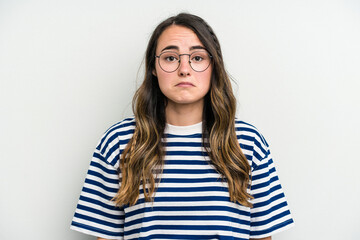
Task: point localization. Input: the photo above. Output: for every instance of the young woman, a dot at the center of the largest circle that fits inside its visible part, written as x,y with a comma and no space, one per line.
183,167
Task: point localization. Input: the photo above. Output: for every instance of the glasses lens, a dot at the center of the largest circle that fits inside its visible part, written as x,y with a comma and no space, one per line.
200,60
169,61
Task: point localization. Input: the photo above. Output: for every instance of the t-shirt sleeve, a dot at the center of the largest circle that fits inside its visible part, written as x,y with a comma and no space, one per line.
95,213
270,213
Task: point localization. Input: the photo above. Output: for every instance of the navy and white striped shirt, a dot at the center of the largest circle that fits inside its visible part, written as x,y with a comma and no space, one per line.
191,201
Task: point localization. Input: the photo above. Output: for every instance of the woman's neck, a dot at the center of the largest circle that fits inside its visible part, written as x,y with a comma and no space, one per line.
184,114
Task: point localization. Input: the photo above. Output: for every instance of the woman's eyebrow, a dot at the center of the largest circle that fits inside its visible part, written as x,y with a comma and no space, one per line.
197,47
170,47
177,48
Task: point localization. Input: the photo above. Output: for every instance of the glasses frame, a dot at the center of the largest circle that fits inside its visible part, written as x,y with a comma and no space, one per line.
179,61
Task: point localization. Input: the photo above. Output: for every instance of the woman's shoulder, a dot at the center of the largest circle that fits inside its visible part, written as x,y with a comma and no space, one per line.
116,135
248,130
120,128
251,140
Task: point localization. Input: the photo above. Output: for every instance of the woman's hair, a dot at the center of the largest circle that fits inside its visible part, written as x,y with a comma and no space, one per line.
143,155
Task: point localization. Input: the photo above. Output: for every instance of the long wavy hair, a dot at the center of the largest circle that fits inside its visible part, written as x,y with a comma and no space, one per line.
141,163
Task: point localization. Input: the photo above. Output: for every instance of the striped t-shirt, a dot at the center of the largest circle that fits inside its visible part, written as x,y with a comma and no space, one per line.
191,201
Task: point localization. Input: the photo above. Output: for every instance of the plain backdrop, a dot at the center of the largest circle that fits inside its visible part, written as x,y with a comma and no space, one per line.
69,69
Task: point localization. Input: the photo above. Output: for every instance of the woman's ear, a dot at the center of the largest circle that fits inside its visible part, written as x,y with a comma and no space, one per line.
154,72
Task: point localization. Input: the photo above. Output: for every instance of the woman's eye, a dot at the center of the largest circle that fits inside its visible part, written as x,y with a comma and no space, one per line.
197,59
170,59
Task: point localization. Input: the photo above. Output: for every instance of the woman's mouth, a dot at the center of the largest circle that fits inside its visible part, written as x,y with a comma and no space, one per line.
185,84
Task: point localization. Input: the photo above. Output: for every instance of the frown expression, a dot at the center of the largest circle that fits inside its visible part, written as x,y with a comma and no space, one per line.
183,86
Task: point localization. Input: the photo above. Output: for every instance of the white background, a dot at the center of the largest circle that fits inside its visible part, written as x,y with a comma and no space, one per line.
69,69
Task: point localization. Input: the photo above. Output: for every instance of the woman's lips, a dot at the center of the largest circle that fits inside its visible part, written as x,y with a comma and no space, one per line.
185,84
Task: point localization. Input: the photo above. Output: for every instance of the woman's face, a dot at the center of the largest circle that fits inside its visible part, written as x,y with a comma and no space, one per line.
183,86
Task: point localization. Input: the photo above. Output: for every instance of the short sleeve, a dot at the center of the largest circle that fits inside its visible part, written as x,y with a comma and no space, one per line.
95,213
270,213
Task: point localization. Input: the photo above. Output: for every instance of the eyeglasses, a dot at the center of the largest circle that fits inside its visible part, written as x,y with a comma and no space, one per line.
170,61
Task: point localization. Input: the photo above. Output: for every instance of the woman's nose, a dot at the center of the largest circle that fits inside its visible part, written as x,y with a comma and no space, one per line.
184,68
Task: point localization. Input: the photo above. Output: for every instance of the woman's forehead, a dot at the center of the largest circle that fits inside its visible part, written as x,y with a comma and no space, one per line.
179,37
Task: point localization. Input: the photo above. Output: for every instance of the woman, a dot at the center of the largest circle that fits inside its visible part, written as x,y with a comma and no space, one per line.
183,167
